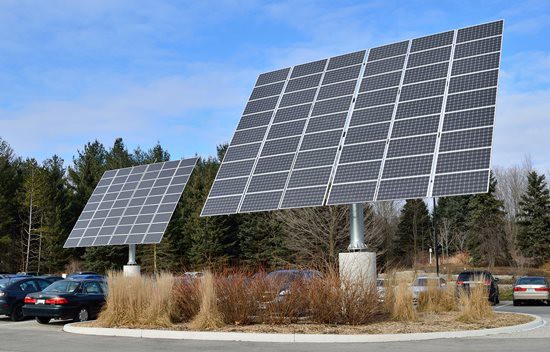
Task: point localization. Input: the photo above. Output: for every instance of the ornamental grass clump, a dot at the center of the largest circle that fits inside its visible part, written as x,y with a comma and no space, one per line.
437,299
474,304
208,316
138,301
402,309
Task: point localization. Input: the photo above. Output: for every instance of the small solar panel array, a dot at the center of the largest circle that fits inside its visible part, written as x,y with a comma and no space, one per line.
132,205
406,120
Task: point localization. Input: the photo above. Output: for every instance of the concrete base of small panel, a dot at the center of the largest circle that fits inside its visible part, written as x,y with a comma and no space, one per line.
132,270
358,266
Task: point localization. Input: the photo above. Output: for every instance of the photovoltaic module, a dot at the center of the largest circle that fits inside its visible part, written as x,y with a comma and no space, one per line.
412,119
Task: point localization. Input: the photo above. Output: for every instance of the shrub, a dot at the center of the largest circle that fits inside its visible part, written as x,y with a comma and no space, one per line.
284,308
187,300
239,296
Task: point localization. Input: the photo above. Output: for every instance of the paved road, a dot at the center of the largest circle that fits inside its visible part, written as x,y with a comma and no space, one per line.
32,337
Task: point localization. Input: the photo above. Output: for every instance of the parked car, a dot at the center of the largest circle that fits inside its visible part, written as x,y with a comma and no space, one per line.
13,291
421,284
471,278
50,278
531,288
76,299
280,282
85,275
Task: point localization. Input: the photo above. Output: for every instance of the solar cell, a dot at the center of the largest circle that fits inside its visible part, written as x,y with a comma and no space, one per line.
309,68
113,214
397,121
287,129
310,177
304,197
429,57
352,193
346,60
432,41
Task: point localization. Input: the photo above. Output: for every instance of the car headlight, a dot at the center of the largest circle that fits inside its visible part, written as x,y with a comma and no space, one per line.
2,293
284,292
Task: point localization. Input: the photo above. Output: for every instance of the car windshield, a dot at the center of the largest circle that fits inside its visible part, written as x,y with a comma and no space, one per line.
283,276
531,281
5,282
471,276
420,282
62,286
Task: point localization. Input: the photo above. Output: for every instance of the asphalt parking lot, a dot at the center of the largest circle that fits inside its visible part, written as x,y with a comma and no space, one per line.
31,336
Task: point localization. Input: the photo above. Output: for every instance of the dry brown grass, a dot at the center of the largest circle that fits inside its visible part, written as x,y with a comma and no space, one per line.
209,316
403,309
398,297
187,300
138,301
239,294
237,298
283,309
335,301
474,305
437,300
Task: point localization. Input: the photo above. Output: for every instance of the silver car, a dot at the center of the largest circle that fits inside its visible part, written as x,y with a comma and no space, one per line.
531,288
422,283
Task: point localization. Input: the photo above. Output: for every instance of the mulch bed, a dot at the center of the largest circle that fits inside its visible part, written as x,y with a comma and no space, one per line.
426,323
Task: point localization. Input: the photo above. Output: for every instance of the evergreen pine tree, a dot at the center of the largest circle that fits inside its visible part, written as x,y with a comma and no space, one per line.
413,232
10,179
534,220
261,240
453,213
56,223
487,241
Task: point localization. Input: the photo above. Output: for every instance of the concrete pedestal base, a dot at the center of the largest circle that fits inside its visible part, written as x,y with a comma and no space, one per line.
358,266
132,270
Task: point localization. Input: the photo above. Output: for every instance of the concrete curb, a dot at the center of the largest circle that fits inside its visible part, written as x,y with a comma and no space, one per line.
310,338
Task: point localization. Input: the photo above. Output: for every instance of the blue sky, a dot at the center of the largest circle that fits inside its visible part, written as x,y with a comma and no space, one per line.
180,72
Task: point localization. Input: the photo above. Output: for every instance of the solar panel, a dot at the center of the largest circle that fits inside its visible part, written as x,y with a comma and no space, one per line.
133,205
409,119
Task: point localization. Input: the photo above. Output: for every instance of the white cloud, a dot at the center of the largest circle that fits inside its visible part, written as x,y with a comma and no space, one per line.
194,110
522,128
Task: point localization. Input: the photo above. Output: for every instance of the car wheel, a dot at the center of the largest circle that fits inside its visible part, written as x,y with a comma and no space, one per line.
43,320
82,315
17,313
497,299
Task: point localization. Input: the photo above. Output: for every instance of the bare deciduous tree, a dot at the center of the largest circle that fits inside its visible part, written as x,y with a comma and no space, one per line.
511,185
316,235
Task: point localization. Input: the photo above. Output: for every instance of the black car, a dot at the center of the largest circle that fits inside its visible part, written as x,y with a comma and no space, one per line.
76,299
479,277
80,273
13,291
50,278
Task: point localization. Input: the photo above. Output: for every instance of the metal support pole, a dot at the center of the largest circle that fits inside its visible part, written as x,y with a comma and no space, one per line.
436,238
356,228
132,254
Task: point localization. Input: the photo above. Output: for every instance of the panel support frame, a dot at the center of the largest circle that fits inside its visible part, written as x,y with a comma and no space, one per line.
356,228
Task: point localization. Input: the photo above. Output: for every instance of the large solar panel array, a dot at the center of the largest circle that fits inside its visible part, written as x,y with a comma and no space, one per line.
406,120
132,205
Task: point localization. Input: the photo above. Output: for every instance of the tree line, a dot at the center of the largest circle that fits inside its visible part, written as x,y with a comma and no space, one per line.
41,201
